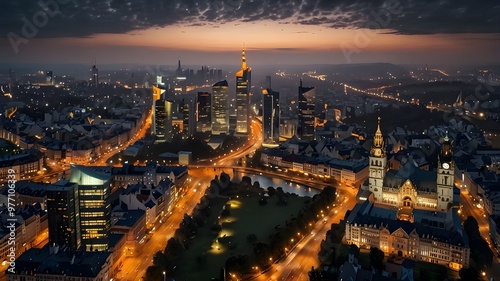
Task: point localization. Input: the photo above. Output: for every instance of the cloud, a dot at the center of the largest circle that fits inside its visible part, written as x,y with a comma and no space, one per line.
83,18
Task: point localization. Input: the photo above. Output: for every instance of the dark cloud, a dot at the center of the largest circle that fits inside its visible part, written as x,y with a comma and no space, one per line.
87,17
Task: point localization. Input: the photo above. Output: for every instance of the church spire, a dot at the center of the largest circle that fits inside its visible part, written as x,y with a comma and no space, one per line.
446,149
378,140
378,147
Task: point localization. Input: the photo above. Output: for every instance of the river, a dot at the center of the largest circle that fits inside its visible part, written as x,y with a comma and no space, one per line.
287,186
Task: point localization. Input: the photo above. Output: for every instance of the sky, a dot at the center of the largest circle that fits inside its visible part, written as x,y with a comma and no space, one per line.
449,32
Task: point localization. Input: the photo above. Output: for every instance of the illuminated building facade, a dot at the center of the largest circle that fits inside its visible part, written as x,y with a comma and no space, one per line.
307,98
368,226
243,87
220,117
162,116
410,212
95,76
63,206
95,209
188,117
204,112
271,116
410,187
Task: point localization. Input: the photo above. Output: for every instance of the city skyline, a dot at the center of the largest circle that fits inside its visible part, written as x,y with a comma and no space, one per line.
310,31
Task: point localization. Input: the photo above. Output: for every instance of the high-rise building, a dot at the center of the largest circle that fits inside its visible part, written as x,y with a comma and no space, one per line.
268,82
307,97
63,206
270,116
188,116
95,76
157,93
163,120
220,116
162,116
95,208
204,112
243,87
49,79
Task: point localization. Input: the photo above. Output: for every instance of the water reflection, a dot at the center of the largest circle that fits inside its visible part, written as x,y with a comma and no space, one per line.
287,186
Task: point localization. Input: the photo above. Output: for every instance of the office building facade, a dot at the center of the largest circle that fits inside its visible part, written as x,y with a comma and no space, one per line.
220,116
204,112
63,207
270,116
307,98
243,88
95,209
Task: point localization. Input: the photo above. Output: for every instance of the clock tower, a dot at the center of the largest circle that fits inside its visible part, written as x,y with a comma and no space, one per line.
378,165
445,175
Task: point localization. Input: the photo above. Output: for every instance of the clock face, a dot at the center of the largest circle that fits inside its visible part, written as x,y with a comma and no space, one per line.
446,166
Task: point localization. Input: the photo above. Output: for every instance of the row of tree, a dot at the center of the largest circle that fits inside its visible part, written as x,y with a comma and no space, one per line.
166,261
284,237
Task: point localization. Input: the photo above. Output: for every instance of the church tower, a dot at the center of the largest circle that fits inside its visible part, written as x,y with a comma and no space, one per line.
378,164
445,175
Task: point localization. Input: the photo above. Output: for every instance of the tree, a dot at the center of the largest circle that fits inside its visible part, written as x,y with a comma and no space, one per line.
153,273
160,260
315,275
262,252
238,265
256,185
480,250
252,238
173,249
271,191
262,201
377,259
469,274
246,180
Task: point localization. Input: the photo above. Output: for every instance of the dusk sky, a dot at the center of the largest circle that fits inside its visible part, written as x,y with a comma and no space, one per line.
274,32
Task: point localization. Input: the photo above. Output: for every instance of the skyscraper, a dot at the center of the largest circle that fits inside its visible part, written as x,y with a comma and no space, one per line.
307,96
163,120
162,116
220,117
63,208
270,116
188,116
204,114
95,209
243,87
95,76
49,78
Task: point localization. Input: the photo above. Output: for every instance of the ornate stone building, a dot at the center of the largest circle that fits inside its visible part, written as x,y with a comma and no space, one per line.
410,187
410,212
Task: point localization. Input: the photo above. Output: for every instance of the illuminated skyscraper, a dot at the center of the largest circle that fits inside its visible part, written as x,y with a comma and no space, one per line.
49,78
63,206
95,76
270,116
307,97
188,116
203,112
163,120
95,209
243,87
220,117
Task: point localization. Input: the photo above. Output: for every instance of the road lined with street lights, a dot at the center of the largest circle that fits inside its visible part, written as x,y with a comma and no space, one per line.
304,255
134,267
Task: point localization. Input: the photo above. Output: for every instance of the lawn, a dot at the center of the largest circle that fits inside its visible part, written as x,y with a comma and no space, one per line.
246,217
